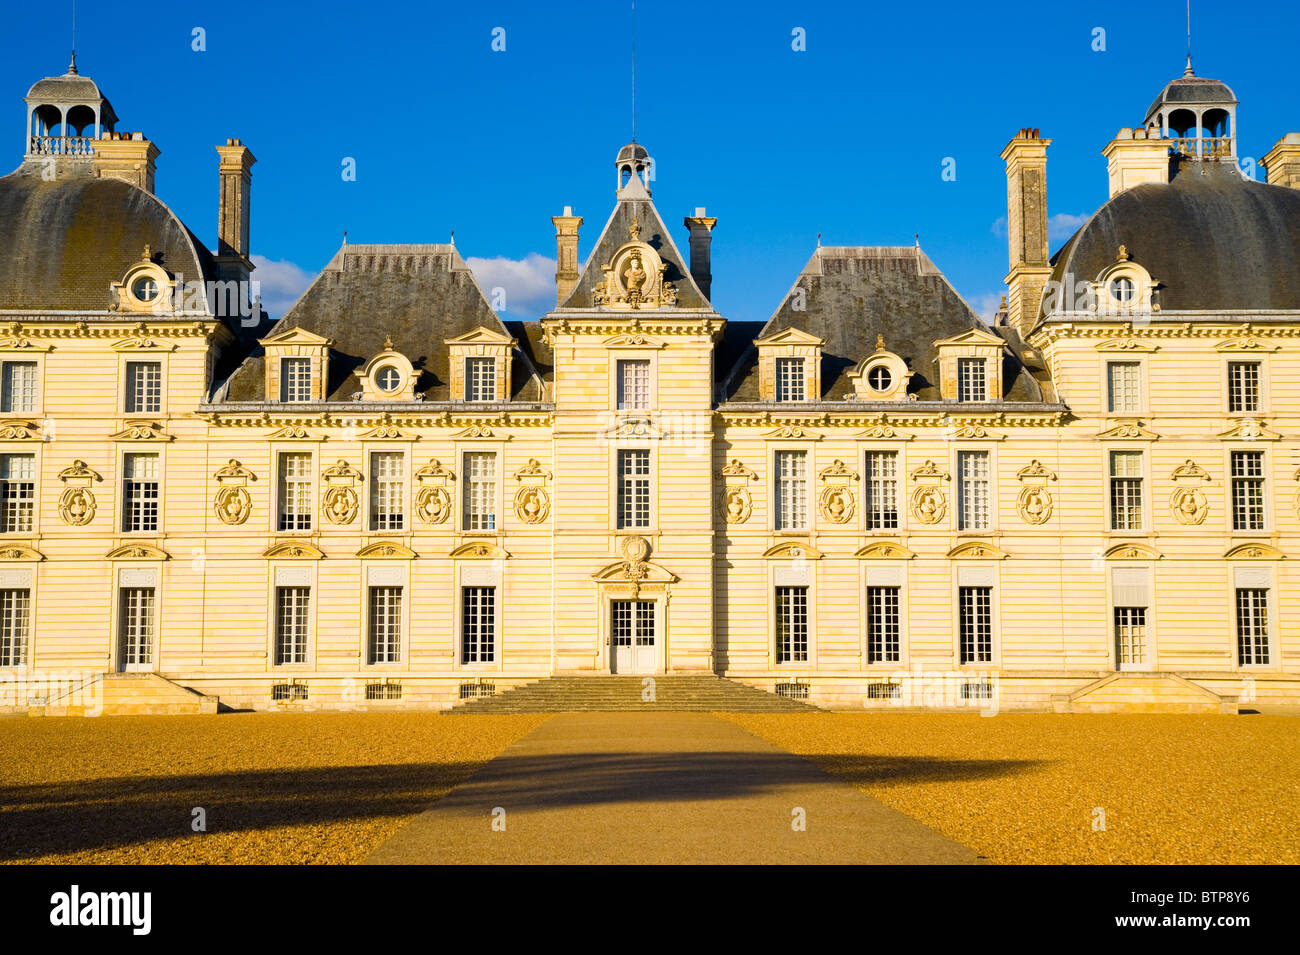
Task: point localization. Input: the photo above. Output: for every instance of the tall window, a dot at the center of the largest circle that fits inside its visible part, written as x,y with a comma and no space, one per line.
385,625
976,624
480,491
17,493
15,626
387,490
1247,490
140,492
791,624
291,624
295,491
18,386
143,387
1243,386
295,379
633,384
790,379
478,623
882,490
136,627
1124,387
791,490
972,381
480,379
973,491
882,625
1252,626
1130,635
1126,490
634,488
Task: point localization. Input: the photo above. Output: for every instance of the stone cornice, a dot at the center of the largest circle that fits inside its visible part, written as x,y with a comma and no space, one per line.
24,326
337,415
1082,325
605,325
914,415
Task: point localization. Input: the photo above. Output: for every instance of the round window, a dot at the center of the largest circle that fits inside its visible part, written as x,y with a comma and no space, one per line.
879,378
145,288
1122,289
388,378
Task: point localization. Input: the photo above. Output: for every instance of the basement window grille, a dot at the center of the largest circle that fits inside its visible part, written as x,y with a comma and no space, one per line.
794,690
289,691
977,690
383,691
884,691
475,691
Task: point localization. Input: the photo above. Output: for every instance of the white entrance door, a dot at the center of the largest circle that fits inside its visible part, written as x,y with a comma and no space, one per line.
136,629
632,630
1130,638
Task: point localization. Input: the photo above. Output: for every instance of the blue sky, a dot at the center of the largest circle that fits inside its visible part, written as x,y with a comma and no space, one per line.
846,138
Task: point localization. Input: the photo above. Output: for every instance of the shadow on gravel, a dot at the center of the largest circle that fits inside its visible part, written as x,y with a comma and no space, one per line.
113,812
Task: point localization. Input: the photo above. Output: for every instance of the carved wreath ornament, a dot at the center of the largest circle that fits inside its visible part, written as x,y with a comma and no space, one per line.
232,502
77,503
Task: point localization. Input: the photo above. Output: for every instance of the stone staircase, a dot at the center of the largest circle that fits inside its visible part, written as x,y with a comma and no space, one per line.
703,693
126,694
1144,693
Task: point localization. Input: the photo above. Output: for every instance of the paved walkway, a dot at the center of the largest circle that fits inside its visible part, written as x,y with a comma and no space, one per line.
659,788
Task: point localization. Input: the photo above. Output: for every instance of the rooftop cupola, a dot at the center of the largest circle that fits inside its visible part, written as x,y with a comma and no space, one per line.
635,170
66,114
1198,114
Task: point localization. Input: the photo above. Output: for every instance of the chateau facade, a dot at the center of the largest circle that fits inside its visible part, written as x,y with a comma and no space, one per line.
393,497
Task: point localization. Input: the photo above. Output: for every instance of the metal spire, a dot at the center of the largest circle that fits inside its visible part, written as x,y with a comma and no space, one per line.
633,70
72,67
1188,71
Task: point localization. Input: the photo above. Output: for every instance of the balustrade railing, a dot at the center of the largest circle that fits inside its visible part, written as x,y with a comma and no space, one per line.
1205,148
61,146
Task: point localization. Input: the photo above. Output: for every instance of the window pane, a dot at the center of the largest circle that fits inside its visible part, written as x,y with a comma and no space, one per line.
1252,626
478,624
480,379
790,379
791,624
634,385
882,490
140,492
385,624
387,491
634,488
1126,490
295,492
18,386
291,624
15,626
1125,395
17,493
1243,386
972,384
480,491
975,606
143,387
882,625
295,379
1130,634
1248,490
973,491
792,490
136,626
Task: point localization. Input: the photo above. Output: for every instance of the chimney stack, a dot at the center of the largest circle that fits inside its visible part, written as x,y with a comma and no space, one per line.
235,167
1026,159
566,253
701,227
1283,162
130,158
1134,157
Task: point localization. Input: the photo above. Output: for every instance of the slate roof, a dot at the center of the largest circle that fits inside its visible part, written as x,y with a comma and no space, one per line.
854,293
64,242
655,234
1211,239
420,295
1193,89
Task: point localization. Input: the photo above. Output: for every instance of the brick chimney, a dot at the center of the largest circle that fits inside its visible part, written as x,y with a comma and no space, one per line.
235,168
1134,157
1026,159
1283,162
566,253
126,156
701,227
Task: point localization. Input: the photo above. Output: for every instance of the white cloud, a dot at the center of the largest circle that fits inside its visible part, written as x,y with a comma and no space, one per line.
280,284
986,305
528,283
999,228
1060,226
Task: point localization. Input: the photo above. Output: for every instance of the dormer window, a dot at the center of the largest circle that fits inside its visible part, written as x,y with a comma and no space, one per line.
388,379
1122,289
1124,286
480,379
295,379
388,376
145,288
972,379
790,379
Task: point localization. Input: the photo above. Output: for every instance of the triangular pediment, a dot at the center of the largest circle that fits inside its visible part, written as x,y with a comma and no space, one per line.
972,336
296,336
791,336
653,232
482,336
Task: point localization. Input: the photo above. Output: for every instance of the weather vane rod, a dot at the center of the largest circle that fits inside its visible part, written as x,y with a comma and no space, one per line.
633,70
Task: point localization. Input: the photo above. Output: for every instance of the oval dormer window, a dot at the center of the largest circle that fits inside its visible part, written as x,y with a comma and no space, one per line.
145,289
879,378
388,379
1122,289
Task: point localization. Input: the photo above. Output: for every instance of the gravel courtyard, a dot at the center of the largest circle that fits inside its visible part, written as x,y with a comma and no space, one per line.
329,788
1023,788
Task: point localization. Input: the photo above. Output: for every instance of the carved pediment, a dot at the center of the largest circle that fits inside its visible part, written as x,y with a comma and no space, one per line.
1190,470
929,470
1035,469
142,431
1249,429
885,550
290,432
838,471
977,550
883,430
633,340
138,552
18,430
297,336
634,277
476,432
390,549
641,572
975,432
633,428
1128,430
1254,551
791,336
482,335
789,432
10,551
972,336
480,550
297,550
792,550
1132,550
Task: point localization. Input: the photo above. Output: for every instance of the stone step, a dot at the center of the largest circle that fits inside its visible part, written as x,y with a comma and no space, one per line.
684,693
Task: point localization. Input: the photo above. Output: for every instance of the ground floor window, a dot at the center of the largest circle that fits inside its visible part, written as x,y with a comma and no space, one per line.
791,624
291,624
15,626
975,606
882,625
478,623
136,626
385,625
1130,635
1252,626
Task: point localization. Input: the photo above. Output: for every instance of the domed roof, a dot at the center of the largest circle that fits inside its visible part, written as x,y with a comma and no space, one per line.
632,152
1190,89
71,89
1211,239
68,240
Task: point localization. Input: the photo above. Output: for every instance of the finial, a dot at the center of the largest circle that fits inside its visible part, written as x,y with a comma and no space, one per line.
634,230
1002,306
453,238
388,343
917,236
147,254
1123,255
1188,71
345,236
819,240
72,66
880,342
